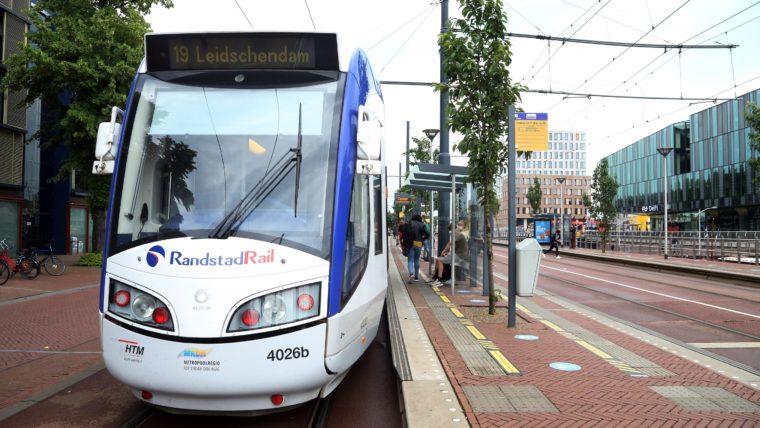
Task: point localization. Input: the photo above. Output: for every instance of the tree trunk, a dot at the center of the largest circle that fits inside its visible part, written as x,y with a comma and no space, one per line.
98,229
489,250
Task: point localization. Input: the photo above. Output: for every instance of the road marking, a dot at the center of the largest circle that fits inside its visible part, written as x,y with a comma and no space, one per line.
655,293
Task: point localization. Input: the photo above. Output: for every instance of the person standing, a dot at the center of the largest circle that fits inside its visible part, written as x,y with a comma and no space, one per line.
413,242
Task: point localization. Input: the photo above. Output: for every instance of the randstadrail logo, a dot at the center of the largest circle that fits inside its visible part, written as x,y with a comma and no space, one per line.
155,254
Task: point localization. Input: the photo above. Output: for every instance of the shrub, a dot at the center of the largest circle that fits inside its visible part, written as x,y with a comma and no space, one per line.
91,259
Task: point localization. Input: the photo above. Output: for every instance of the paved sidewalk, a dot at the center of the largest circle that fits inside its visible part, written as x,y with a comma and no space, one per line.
566,365
50,335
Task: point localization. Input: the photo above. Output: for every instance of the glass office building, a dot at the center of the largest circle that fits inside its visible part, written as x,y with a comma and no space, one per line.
708,167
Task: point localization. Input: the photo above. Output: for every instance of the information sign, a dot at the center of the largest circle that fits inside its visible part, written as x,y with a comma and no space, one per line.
532,132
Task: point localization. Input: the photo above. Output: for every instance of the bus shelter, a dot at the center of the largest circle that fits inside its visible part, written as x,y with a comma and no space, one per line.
466,266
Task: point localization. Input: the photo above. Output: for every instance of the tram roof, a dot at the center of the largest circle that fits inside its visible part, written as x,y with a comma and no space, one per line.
436,177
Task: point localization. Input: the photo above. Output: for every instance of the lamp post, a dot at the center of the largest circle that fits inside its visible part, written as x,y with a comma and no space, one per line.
664,151
561,181
431,133
699,228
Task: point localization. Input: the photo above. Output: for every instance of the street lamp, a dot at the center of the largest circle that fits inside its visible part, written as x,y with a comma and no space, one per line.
699,228
664,151
561,181
431,133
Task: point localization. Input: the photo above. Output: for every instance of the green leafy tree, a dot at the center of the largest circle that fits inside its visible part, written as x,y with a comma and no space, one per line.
600,204
80,61
534,196
420,153
476,61
752,118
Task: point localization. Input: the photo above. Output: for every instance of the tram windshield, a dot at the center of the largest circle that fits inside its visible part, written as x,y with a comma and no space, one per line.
194,150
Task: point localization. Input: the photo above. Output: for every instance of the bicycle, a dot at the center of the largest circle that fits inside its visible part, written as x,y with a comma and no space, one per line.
53,264
24,264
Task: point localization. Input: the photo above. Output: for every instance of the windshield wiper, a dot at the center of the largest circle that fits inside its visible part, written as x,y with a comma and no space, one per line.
297,151
258,194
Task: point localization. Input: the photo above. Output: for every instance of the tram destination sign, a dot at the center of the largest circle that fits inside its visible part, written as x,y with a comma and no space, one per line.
231,51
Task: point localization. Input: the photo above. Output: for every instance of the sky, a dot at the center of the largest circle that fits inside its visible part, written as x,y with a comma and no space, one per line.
400,38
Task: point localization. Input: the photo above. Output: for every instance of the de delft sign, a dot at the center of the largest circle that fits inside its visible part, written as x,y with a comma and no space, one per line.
651,208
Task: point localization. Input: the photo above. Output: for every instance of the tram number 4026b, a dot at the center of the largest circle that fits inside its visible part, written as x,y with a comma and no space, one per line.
288,353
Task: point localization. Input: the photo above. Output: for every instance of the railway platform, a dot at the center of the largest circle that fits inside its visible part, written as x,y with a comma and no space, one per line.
563,365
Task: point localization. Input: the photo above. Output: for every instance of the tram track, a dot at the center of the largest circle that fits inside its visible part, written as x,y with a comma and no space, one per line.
703,288
654,307
736,286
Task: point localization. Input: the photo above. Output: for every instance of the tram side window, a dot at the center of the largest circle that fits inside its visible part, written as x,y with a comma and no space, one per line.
378,214
357,238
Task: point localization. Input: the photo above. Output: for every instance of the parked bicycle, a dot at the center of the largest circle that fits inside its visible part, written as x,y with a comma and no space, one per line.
53,264
27,266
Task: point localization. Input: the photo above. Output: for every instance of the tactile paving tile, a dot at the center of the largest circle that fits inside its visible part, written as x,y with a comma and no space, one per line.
726,400
706,398
521,391
507,398
487,399
474,355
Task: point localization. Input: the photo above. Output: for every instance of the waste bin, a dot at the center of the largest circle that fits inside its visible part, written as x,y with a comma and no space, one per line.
528,262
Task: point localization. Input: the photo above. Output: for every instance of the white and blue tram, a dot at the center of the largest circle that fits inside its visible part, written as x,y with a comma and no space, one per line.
245,261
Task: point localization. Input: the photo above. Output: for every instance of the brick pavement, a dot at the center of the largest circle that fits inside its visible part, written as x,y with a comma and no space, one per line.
600,394
49,331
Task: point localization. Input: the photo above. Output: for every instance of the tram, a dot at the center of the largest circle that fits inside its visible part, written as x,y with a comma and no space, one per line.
245,267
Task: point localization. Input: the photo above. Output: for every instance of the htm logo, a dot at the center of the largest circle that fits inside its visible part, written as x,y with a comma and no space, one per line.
155,254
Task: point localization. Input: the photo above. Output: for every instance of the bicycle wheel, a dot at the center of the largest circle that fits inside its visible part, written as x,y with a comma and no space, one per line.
5,272
29,268
54,266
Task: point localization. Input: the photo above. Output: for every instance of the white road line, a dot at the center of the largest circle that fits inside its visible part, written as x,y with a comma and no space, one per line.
564,270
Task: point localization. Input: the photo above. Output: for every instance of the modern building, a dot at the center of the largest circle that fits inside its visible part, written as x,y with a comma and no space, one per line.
561,171
13,127
707,172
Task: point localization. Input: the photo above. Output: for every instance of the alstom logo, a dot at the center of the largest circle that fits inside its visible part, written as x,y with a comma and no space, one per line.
155,254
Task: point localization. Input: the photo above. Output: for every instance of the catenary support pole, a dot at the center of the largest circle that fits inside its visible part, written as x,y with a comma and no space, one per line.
443,156
512,221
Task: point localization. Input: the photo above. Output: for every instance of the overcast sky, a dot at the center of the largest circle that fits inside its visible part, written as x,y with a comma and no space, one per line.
400,38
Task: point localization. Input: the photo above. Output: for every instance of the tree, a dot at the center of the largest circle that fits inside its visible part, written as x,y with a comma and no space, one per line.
534,196
80,61
476,61
420,153
752,118
601,205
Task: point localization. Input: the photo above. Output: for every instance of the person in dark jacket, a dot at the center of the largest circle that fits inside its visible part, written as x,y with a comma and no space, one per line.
413,239
554,243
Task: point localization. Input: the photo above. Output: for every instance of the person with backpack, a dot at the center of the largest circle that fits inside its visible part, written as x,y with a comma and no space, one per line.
414,236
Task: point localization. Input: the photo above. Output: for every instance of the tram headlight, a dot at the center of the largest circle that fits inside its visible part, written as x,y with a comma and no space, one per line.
278,308
138,306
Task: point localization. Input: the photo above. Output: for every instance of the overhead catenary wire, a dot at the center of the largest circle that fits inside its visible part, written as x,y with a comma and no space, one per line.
661,65
244,14
426,9
306,2
574,33
648,121
624,51
407,40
